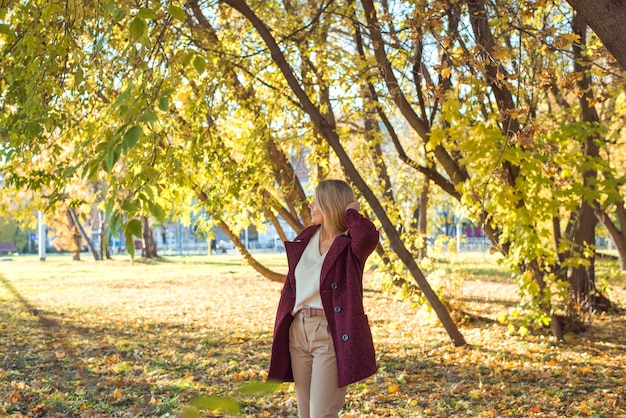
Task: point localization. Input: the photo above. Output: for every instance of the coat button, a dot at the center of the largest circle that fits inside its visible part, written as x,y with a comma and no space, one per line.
337,309
345,337
333,286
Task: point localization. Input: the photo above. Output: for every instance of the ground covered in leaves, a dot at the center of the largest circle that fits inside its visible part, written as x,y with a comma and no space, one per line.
109,339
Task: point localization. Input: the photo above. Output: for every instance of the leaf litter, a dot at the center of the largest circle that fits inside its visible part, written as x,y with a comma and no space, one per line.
112,340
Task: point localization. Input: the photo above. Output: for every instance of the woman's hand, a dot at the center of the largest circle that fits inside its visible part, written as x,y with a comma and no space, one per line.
354,205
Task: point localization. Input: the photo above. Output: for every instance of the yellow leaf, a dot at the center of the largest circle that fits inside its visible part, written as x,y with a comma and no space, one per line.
571,37
15,396
117,393
592,101
39,409
394,388
500,53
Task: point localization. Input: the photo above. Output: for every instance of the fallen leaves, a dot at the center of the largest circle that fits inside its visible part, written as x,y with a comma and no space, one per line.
148,340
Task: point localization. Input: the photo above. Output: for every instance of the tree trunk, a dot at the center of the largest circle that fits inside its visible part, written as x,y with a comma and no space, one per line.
104,240
332,138
260,268
617,235
607,18
422,221
292,220
149,249
277,226
75,235
582,277
83,233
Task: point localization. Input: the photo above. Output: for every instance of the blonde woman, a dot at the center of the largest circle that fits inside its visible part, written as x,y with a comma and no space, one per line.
322,339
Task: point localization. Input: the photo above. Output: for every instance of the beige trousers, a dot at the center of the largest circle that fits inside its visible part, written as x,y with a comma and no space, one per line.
314,368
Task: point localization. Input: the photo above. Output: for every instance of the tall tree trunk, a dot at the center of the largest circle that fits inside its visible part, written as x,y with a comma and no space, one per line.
607,18
149,249
422,221
331,136
582,277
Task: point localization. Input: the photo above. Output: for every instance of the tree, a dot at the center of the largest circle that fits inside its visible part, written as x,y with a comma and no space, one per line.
328,130
516,129
173,111
149,248
607,18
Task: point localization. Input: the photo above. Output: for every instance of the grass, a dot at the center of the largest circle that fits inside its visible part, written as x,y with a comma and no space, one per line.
96,339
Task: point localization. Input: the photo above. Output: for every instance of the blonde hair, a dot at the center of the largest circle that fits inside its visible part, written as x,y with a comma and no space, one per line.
332,198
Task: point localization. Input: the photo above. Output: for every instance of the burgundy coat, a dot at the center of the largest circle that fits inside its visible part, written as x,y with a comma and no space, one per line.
341,290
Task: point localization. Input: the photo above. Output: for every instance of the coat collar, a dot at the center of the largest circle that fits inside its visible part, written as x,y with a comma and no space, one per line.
296,247
339,244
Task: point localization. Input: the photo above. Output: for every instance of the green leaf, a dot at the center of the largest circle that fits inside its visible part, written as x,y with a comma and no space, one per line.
176,12
109,211
118,14
132,136
149,173
128,206
523,331
138,27
133,227
148,117
148,189
164,103
109,162
191,413
157,211
124,96
213,402
259,388
186,58
130,244
102,146
78,77
114,227
199,64
6,29
146,13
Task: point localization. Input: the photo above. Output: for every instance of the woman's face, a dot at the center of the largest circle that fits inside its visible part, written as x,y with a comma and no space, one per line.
316,214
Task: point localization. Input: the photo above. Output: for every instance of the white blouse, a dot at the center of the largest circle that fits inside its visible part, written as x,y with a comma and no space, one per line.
308,272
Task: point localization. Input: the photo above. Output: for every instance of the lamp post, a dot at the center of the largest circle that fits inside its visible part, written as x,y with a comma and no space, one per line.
41,231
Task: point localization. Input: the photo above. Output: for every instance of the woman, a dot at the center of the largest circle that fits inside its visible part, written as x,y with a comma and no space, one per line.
322,339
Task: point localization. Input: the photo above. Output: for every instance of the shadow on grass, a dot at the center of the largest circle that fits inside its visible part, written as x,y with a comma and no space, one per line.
53,364
70,369
84,366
